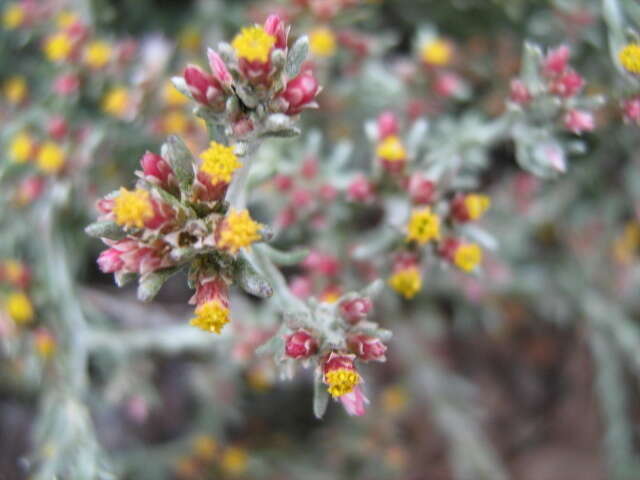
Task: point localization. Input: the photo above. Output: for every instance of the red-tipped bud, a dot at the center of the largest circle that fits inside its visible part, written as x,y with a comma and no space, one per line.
300,92
157,168
110,260
30,189
203,87
309,168
367,348
448,85
321,263
579,121
361,190
283,182
519,92
219,68
209,289
66,84
57,127
568,84
355,310
301,286
275,26
387,124
327,192
631,110
300,344
421,189
556,61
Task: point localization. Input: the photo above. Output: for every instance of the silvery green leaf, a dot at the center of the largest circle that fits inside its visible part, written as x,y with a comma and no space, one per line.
320,397
150,284
373,289
416,136
275,346
286,258
531,60
105,229
123,278
481,236
226,52
181,86
250,280
181,161
280,125
297,55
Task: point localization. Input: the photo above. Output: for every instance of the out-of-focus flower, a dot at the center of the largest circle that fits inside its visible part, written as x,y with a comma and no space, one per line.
407,281
465,208
15,89
387,125
555,62
15,273
234,461
355,310
66,84
172,96
51,158
29,189
360,190
631,110
392,152
579,121
98,54
437,52
567,84
629,57
519,92
205,447
421,189
423,226
58,47
22,148
45,342
116,102
13,16
322,42
465,256
19,308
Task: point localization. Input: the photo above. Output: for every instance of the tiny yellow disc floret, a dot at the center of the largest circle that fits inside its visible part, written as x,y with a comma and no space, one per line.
630,58
476,205
97,54
116,101
219,162
406,282
341,381
238,231
391,149
58,47
211,316
424,226
234,461
132,208
253,44
437,52
467,257
21,148
19,308
50,158
15,89
322,42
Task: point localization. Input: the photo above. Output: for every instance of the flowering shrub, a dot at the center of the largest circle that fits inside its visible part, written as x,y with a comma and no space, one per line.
415,211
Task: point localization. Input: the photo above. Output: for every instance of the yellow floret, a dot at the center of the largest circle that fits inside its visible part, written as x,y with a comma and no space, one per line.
234,461
391,149
253,44
424,226
205,447
467,257
175,122
322,42
172,96
58,47
407,282
65,19
436,52
476,205
630,57
238,231
50,158
97,54
219,162
45,344
211,317
19,308
341,381
132,208
15,89
21,148
13,16
116,101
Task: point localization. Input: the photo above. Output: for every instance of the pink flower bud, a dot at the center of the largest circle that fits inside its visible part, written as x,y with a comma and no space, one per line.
360,190
301,198
309,167
57,127
631,110
367,348
519,92
300,344
421,189
327,192
300,92
66,84
275,26
448,85
156,167
30,189
579,121
321,263
203,87
209,289
110,260
354,402
301,286
556,61
337,361
387,125
448,248
568,84
286,217
355,310
283,182
219,68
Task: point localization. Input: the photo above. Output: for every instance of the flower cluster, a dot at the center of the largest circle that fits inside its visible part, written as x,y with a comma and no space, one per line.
206,455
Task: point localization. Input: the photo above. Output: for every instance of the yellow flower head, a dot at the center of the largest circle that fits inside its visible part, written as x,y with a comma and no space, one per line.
205,447
13,16
234,461
424,225
467,257
58,47
50,158
341,381
322,42
391,149
211,317
19,308
437,52
132,208
630,58
219,162
65,19
253,44
406,282
97,54
476,205
626,245
238,231
116,102
172,96
175,122
15,89
21,148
